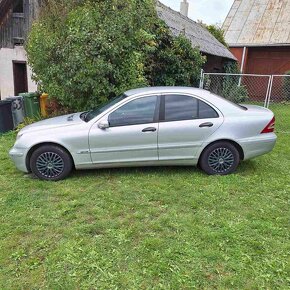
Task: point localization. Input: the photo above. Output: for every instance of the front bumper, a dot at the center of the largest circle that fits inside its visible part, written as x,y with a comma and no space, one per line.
259,145
18,156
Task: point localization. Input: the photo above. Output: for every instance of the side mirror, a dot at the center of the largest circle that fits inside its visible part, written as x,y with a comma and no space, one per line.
104,125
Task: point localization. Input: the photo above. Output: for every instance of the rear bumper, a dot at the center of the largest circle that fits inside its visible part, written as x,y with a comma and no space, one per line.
18,156
259,145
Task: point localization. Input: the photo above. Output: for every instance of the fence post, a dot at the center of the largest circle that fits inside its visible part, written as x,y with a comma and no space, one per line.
269,92
201,79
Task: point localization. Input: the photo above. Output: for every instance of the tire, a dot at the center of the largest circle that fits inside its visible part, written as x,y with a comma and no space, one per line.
221,158
50,162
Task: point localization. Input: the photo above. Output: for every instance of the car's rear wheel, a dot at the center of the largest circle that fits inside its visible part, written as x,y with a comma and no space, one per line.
50,162
220,158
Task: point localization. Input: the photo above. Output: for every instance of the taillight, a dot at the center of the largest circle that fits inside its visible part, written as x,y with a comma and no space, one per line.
270,127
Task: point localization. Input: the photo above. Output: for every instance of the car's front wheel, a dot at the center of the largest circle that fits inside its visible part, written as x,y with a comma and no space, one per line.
220,158
50,162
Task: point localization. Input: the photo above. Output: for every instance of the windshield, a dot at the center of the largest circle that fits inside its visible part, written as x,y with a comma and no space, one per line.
94,113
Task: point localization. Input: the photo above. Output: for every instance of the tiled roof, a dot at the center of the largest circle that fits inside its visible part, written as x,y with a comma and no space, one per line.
199,36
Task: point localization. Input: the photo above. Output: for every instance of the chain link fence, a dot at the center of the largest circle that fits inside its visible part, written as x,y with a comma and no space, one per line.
270,91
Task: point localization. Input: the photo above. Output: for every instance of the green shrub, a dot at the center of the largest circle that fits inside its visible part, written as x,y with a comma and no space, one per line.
232,87
85,52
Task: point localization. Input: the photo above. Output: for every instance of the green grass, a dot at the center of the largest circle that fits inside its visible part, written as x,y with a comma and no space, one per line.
147,228
282,113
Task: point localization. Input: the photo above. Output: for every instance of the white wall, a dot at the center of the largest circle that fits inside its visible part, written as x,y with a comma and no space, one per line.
7,56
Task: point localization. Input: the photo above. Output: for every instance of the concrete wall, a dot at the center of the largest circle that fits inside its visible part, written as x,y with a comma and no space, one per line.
7,56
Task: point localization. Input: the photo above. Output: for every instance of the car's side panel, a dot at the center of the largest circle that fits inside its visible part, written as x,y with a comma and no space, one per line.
182,140
123,144
245,130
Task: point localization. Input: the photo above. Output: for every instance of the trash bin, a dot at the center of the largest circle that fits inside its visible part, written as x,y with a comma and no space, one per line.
31,104
43,104
17,109
6,119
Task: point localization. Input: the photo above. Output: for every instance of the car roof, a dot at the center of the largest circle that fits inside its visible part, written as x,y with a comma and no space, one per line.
221,103
160,90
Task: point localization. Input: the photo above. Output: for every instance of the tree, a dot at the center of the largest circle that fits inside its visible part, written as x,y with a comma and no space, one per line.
216,31
86,52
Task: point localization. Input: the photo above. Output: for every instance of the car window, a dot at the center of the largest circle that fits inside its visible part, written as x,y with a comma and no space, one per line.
178,108
206,111
139,111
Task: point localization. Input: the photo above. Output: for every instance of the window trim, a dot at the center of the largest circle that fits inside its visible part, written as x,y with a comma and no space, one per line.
162,108
155,116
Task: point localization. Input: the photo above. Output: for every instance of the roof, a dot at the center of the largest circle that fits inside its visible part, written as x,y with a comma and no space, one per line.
258,23
199,36
222,103
158,90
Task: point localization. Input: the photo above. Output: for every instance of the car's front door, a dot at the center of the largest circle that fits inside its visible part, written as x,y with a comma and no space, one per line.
185,123
131,136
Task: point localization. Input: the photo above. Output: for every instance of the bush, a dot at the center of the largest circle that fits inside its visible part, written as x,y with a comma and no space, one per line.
86,52
232,88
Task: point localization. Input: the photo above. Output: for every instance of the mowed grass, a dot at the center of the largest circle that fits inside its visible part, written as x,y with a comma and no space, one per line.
147,228
282,114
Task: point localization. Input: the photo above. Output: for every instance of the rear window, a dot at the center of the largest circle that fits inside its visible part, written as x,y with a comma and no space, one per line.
232,103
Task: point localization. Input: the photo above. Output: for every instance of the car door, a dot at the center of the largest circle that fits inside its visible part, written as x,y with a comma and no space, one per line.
131,136
185,123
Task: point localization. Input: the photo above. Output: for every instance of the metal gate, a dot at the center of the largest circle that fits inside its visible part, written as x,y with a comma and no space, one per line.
270,91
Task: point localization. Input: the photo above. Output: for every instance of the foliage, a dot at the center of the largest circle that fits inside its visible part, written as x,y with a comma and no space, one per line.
286,86
148,228
86,52
232,88
216,31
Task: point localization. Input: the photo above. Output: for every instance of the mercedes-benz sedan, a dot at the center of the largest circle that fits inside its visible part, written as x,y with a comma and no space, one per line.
148,127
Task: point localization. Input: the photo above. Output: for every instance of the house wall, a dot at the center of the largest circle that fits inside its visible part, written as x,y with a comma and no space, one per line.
215,64
264,60
268,60
7,56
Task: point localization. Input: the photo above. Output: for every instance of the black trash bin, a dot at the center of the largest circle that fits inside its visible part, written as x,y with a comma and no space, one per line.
6,119
17,109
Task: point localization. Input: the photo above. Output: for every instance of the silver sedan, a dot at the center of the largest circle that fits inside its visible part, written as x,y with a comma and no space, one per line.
148,127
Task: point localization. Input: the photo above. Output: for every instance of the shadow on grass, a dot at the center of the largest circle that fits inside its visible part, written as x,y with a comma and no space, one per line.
245,168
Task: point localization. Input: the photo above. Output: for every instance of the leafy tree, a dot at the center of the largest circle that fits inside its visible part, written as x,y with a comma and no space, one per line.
216,31
86,52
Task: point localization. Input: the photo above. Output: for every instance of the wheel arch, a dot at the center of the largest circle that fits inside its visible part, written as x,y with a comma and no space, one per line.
36,146
234,143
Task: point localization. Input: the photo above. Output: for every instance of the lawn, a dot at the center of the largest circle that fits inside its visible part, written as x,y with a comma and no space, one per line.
147,228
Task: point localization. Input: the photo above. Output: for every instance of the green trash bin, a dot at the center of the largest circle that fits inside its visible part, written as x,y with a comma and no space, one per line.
6,119
31,104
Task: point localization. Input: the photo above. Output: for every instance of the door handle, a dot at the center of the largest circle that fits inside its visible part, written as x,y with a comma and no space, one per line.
149,129
207,124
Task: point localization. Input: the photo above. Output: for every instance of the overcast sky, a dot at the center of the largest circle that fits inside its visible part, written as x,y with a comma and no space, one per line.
209,11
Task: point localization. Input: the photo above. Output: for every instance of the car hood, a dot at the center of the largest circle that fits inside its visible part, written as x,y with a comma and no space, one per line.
62,121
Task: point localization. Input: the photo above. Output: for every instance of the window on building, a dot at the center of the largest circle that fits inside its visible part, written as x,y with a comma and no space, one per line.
18,6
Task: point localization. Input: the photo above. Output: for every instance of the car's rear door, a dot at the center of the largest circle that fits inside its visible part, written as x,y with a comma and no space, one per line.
131,136
185,123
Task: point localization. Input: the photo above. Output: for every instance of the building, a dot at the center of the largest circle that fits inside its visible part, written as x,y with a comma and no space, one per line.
258,33
16,17
217,54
